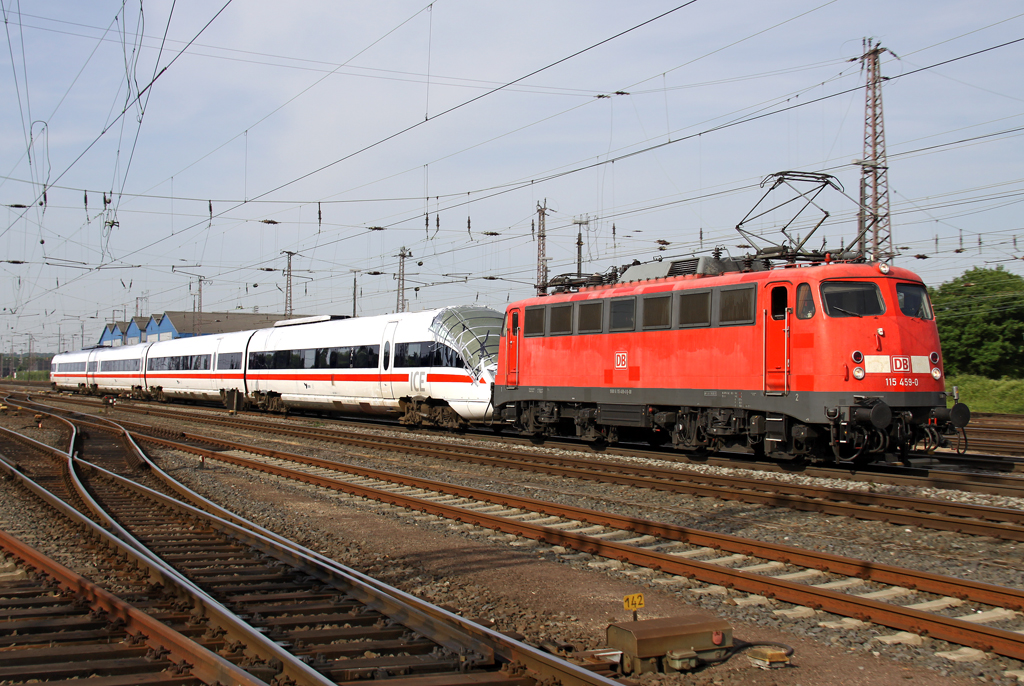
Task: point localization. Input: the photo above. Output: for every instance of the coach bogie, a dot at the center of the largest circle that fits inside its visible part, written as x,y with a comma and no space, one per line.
421,411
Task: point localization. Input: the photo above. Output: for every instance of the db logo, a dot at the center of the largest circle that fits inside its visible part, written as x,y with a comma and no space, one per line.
900,364
621,360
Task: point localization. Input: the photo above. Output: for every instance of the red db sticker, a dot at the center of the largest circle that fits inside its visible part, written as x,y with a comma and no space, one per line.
621,360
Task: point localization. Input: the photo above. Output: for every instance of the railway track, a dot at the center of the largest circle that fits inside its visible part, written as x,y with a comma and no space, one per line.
944,607
937,476
58,625
286,611
943,515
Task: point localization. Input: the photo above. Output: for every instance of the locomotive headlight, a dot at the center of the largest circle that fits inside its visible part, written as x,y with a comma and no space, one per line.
936,373
883,267
857,357
858,373
934,357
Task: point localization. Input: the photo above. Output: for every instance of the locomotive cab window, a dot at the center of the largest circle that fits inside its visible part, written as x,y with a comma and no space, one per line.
736,306
560,319
851,299
695,309
804,302
658,312
534,325
590,318
623,315
780,300
913,299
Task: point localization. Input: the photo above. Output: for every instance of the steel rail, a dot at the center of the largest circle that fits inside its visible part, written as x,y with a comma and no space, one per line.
452,631
988,594
927,513
933,477
257,645
744,485
946,628
202,663
394,603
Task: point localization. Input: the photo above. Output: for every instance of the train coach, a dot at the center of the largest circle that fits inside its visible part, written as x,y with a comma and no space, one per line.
828,360
433,367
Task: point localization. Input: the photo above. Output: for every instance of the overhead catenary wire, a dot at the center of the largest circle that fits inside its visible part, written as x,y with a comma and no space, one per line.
124,111
229,217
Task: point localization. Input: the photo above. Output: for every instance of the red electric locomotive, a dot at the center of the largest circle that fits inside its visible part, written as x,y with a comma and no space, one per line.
821,360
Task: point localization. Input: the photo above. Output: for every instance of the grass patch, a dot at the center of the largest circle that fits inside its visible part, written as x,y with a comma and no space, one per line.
981,394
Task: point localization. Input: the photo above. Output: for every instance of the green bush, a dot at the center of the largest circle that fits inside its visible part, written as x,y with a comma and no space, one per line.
981,394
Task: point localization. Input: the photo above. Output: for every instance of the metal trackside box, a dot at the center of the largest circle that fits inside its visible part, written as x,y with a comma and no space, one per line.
670,644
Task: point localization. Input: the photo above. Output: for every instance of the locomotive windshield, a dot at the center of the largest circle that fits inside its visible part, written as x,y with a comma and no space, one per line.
473,332
913,300
852,299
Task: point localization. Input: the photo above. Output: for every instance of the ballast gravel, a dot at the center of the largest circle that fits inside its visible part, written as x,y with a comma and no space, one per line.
430,558
535,591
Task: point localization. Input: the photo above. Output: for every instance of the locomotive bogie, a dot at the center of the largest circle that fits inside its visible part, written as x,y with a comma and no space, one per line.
829,361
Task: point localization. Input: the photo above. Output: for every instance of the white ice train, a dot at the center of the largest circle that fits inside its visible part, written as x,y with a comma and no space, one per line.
434,367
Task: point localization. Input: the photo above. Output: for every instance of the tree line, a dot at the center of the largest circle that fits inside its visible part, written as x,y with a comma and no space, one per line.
980,316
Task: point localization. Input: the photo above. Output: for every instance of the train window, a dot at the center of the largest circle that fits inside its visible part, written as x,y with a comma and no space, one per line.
443,355
534,321
355,357
736,306
590,317
387,354
119,365
804,302
365,356
695,309
92,366
229,361
658,312
913,300
622,316
560,321
71,367
780,301
412,354
340,358
851,299
515,323
178,363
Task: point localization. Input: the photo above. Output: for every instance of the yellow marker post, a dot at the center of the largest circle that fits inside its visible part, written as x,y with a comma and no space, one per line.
634,602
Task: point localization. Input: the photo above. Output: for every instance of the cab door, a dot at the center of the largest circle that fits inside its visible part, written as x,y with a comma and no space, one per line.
777,326
513,335
387,360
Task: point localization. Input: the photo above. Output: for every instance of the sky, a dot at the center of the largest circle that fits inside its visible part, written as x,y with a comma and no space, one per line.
148,146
